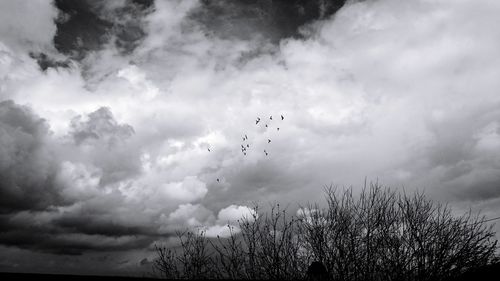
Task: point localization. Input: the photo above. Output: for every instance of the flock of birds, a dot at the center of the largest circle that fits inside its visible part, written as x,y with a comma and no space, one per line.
245,145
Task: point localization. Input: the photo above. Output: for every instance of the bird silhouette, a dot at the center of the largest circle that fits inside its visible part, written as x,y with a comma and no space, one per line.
266,125
244,153
257,121
278,129
265,152
271,117
248,145
282,117
208,149
268,140
218,180
246,137
243,138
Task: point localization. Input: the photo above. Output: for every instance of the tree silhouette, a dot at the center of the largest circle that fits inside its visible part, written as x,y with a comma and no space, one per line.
378,235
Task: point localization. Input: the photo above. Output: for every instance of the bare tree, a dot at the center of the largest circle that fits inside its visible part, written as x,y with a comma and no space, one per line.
377,235
439,245
383,236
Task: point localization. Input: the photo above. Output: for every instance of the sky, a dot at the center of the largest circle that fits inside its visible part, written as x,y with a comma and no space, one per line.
108,110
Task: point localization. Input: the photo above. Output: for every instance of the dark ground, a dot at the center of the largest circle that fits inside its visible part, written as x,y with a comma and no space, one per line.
489,273
57,277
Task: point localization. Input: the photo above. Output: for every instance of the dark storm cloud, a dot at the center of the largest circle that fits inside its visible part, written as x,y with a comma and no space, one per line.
27,167
96,223
79,28
54,231
272,20
89,25
71,243
85,26
38,192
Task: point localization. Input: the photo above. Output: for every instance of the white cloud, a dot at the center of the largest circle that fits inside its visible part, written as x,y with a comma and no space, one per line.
232,214
196,217
223,231
228,221
139,82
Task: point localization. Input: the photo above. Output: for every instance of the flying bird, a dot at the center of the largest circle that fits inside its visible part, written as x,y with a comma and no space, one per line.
257,121
248,145
278,128
244,153
268,140
266,125
265,152
271,117
218,180
246,137
282,117
208,149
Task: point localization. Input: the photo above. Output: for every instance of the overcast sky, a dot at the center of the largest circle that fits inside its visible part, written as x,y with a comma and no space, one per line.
108,110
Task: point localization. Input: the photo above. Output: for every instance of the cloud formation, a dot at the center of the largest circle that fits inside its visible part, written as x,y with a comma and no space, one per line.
26,163
118,138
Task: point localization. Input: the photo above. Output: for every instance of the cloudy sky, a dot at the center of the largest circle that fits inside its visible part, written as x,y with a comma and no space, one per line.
108,110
